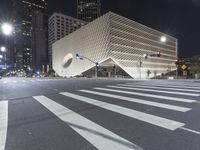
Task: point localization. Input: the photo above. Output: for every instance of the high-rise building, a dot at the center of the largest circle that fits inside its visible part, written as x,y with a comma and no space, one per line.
22,18
61,25
88,10
39,40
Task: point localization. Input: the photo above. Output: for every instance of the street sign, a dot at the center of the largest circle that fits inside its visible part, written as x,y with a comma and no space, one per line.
184,73
184,67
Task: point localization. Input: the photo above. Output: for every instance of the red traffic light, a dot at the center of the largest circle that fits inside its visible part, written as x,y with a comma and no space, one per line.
158,54
178,61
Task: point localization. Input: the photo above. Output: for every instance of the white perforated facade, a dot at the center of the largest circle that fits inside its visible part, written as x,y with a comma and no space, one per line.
116,38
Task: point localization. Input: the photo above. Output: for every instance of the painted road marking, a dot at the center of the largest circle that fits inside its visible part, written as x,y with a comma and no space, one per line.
192,131
163,88
157,91
97,135
164,85
3,123
152,119
149,95
140,101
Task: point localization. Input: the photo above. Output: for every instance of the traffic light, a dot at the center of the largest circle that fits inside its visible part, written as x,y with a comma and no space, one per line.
158,54
177,62
77,56
97,66
145,56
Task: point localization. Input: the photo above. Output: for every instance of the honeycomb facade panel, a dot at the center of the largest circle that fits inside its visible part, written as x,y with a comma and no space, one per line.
91,41
120,39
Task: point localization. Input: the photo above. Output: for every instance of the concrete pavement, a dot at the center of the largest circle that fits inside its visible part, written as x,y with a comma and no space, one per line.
90,114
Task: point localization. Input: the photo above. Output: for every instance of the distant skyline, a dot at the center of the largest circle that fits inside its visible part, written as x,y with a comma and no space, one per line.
178,18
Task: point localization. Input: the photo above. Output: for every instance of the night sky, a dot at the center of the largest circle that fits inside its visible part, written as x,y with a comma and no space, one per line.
178,18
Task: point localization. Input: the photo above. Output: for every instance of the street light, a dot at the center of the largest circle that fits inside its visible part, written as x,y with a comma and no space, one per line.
1,56
96,63
3,49
163,39
7,28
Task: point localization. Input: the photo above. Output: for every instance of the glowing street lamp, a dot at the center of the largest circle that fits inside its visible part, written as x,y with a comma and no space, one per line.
163,39
3,49
7,29
1,56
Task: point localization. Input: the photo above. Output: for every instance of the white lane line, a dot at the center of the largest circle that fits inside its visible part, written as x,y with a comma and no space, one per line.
152,119
164,85
149,95
162,88
3,123
157,91
192,131
179,84
140,101
97,135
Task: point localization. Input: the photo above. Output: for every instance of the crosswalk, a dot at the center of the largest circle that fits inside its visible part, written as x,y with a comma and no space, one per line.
158,95
17,81
3,123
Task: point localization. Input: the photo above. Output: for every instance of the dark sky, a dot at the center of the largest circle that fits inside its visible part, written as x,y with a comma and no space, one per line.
178,18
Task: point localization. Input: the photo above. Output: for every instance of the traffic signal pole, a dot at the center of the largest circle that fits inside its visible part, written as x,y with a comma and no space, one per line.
96,63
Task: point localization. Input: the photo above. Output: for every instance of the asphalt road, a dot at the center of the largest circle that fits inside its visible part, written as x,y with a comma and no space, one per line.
90,114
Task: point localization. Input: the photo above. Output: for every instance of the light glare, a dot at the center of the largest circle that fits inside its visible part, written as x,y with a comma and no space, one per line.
7,28
3,49
163,39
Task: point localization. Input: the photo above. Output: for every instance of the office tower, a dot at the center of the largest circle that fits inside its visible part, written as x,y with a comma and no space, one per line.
22,18
61,25
39,40
88,10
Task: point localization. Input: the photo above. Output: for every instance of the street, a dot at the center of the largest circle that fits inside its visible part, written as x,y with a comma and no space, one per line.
103,114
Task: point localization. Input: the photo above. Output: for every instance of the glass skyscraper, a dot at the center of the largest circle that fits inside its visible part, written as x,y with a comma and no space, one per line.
88,10
23,11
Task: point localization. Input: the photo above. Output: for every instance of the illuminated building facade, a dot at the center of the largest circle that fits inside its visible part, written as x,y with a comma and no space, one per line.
23,11
113,40
59,26
88,10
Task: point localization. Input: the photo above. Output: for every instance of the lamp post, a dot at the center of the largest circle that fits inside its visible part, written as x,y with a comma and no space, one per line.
7,29
163,39
3,50
96,63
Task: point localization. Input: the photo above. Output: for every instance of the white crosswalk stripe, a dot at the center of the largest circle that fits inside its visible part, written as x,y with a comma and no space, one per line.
157,91
164,85
149,95
3,123
140,101
163,88
155,120
97,135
